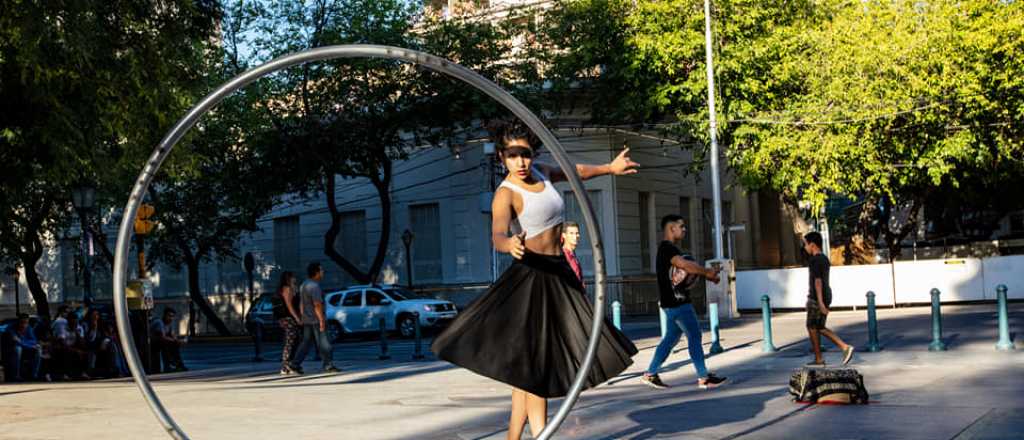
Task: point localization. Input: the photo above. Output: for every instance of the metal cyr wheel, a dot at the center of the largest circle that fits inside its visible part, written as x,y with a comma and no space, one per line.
437,64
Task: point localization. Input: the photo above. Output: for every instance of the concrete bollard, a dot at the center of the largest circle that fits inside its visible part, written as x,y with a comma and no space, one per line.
1004,344
617,315
383,340
766,317
937,344
417,351
716,346
872,324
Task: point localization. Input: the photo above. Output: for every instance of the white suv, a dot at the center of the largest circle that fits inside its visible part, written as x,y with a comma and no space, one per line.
358,309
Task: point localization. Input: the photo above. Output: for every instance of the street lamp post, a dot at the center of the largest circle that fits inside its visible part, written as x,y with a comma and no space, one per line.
716,187
407,237
13,273
84,199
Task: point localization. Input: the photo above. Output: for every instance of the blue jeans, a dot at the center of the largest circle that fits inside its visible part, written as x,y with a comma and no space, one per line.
27,355
680,319
311,334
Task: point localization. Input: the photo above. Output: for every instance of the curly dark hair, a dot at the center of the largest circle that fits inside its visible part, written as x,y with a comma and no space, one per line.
505,131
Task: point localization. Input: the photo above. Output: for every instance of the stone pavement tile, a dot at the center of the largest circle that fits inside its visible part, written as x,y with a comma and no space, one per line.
702,414
871,422
998,424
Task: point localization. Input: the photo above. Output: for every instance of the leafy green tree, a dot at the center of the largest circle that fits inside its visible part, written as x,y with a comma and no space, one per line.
893,101
81,83
221,178
353,118
879,101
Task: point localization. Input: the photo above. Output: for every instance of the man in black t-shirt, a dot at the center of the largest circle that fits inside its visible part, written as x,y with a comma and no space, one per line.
819,297
676,274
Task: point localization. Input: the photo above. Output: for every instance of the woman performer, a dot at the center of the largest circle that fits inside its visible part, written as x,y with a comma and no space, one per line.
531,328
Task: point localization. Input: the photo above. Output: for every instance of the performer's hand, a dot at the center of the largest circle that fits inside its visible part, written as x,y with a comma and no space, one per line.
323,326
713,275
623,164
518,248
824,310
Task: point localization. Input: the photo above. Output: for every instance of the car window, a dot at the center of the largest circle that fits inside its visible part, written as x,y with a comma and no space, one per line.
396,295
334,299
353,299
374,298
402,294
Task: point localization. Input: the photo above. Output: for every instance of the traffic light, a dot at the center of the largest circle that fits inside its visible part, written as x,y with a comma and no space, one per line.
143,225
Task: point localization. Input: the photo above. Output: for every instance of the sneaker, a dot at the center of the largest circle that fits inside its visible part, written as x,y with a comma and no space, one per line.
711,381
653,381
332,369
847,354
815,364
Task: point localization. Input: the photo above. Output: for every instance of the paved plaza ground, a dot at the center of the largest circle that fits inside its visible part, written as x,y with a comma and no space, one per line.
971,391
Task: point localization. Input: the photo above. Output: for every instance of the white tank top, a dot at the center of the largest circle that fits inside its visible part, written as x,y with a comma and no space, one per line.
541,211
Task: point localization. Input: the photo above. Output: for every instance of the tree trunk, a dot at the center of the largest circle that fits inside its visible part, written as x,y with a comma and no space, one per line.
35,286
99,239
894,234
331,236
860,249
197,297
799,225
384,193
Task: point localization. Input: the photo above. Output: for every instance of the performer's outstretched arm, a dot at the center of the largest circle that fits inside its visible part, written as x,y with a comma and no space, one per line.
622,165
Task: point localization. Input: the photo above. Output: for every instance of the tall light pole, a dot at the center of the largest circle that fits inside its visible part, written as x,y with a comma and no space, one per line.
716,186
407,237
83,197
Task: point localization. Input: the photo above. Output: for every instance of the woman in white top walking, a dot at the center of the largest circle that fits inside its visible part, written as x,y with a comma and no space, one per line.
530,329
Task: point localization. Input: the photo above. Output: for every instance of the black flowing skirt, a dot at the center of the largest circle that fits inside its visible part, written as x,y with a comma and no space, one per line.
530,330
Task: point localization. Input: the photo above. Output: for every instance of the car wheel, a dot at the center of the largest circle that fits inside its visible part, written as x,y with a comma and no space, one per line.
406,326
334,331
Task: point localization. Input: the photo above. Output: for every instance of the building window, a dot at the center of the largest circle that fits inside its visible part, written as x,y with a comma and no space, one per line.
425,222
351,240
286,243
573,214
645,232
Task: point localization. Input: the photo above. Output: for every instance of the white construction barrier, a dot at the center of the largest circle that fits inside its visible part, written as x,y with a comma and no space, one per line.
788,288
1008,270
959,279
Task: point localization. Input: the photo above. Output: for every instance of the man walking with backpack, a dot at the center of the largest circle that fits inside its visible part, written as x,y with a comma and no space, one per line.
674,299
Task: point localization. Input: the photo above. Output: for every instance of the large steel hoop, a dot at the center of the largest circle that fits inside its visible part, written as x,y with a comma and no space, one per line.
432,62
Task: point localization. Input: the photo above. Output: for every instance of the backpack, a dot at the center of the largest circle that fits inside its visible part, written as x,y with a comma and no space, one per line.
828,385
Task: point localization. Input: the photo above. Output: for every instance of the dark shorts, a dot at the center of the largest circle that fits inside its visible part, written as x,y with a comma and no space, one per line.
815,319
